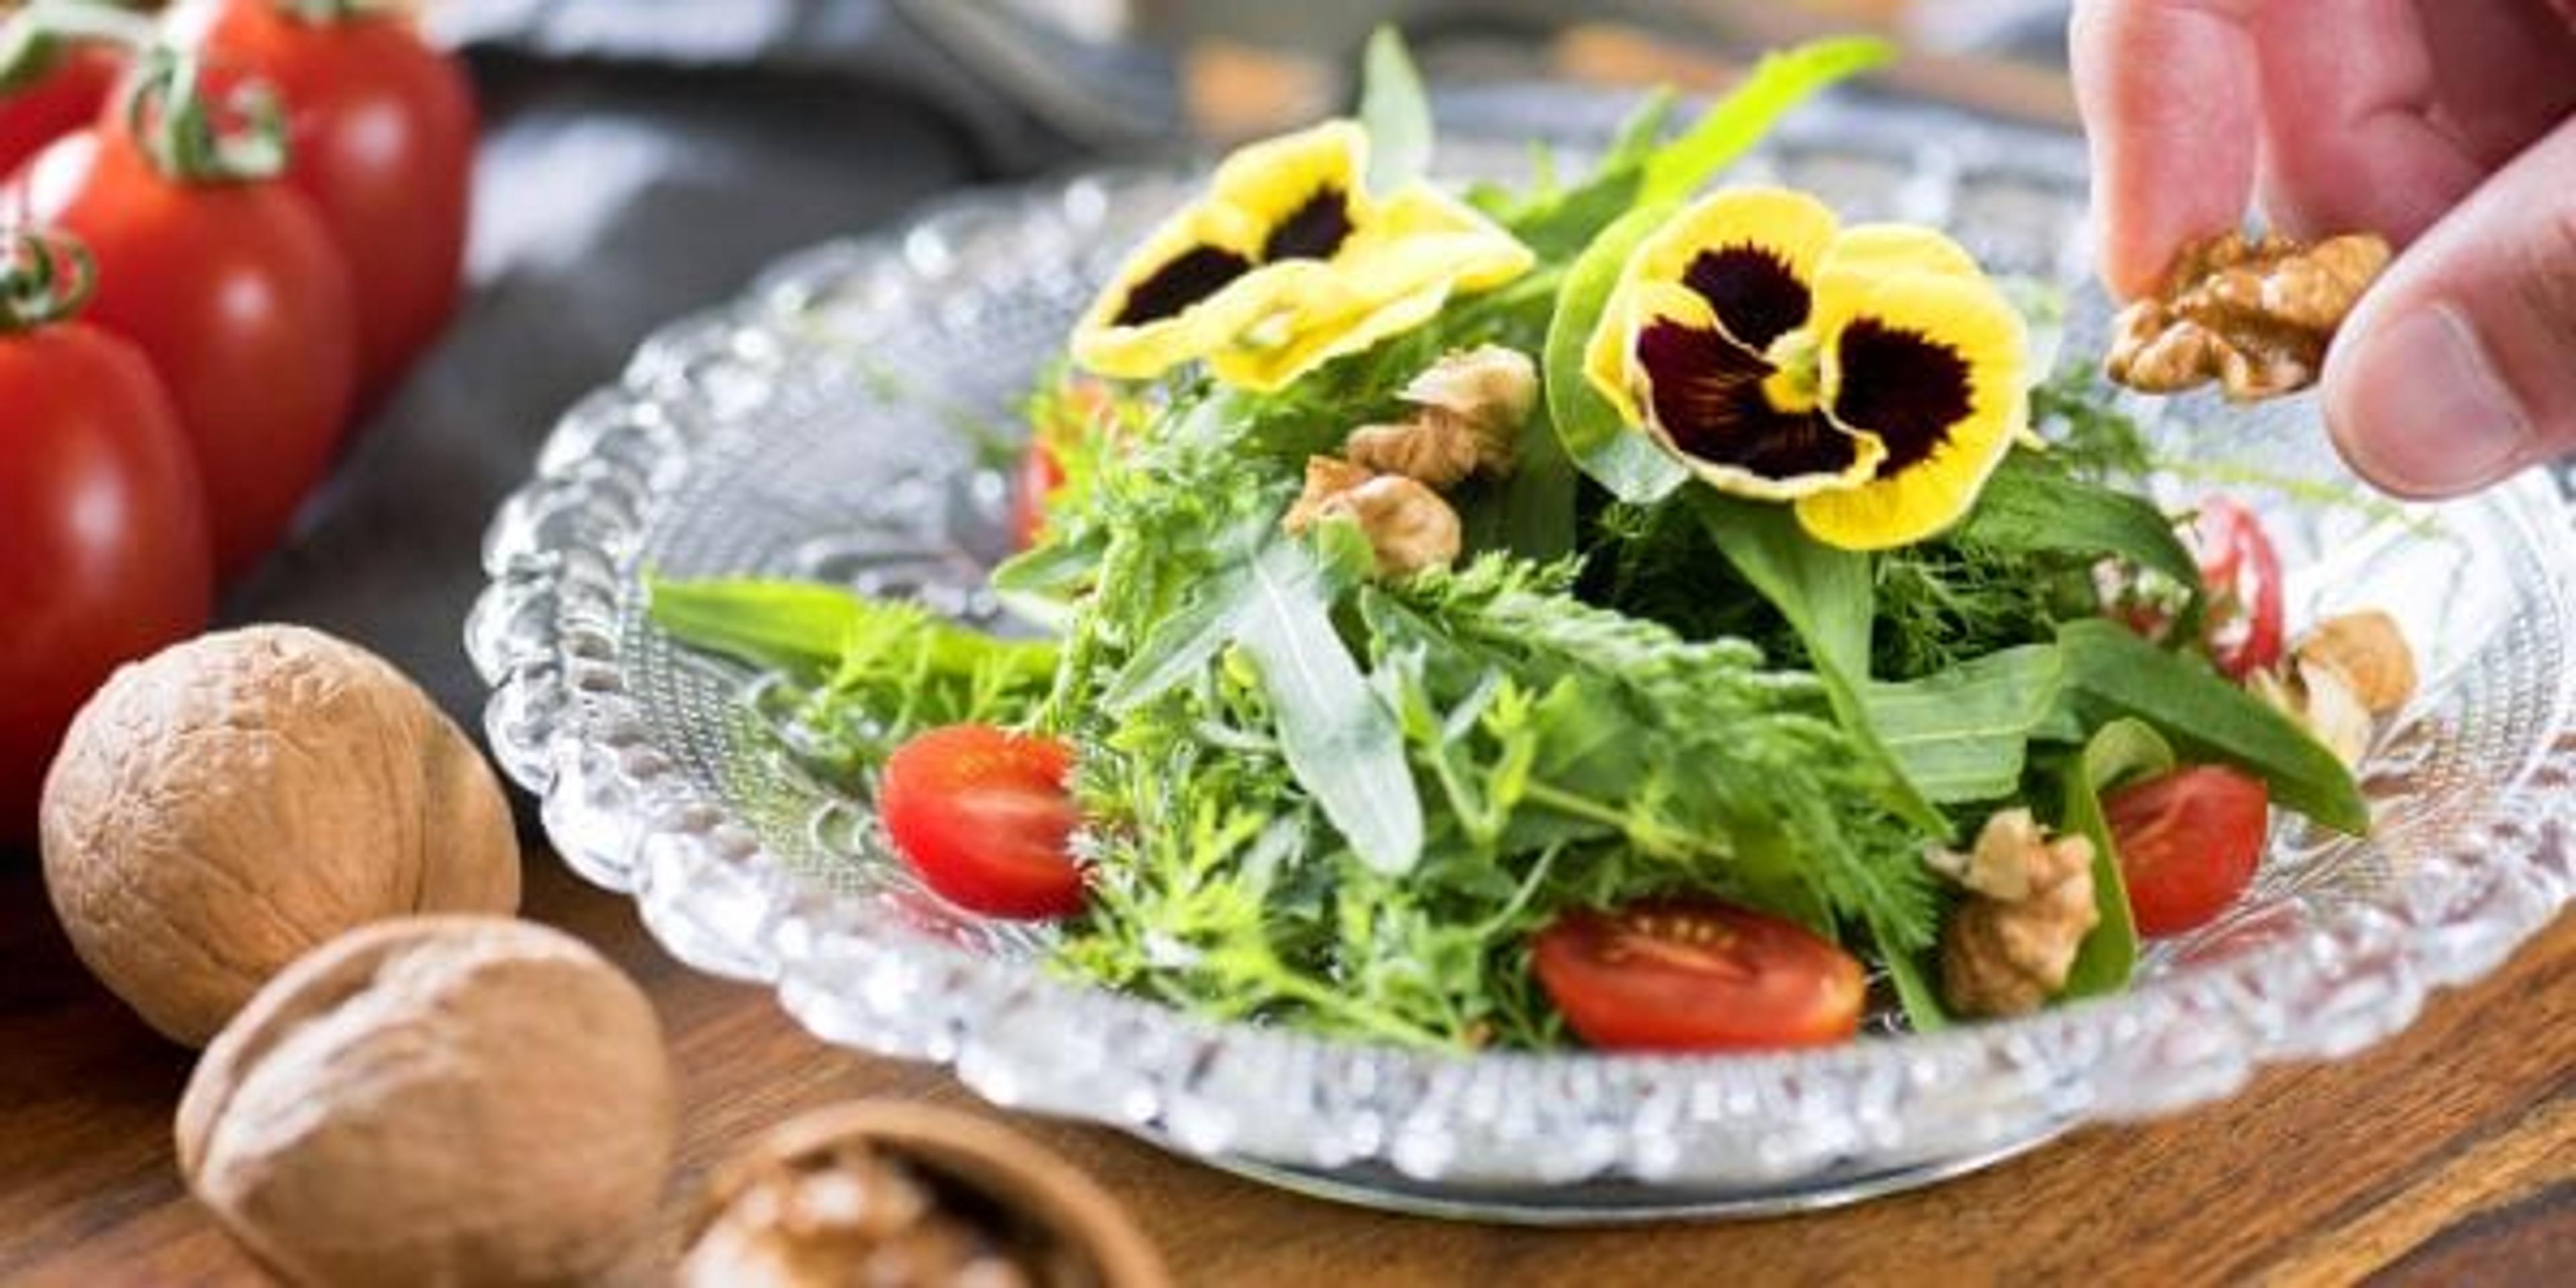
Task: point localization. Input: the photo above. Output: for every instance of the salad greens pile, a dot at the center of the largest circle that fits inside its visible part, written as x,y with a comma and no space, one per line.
1317,796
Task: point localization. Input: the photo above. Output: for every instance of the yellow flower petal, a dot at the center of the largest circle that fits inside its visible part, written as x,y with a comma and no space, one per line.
1866,254
1779,236
1270,180
1347,307
1932,364
1287,263
1207,272
1728,432
1418,248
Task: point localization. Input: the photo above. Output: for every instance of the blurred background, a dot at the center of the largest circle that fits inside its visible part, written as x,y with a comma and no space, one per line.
645,158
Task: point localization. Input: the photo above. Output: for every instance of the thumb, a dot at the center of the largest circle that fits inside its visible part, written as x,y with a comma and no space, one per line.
2459,367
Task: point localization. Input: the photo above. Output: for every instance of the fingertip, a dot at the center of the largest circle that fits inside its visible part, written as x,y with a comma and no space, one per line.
2415,405
2168,95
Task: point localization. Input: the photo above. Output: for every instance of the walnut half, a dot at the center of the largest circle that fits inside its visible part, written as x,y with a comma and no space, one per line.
2009,945
1409,528
1468,407
2255,316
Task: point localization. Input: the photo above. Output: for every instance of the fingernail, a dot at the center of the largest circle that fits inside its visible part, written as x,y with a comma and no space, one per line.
2419,409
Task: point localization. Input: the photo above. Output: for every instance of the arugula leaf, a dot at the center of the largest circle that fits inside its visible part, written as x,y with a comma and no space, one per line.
2114,671
1963,734
1560,224
1396,113
1587,426
1340,740
1914,991
1781,81
807,628
2120,750
2030,507
1825,595
1181,645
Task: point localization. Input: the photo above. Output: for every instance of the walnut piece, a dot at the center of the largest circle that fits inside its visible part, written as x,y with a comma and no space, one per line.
899,1193
1469,409
1409,528
2009,944
436,1100
2369,652
231,802
2322,701
2255,316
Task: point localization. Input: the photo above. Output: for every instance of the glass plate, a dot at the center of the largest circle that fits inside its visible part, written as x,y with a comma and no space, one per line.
838,423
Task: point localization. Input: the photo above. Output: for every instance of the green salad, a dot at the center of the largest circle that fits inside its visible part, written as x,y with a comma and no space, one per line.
1633,610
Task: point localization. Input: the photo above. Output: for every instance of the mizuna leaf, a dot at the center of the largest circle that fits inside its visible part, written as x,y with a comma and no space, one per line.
1342,743
805,628
2113,672
1616,456
1964,734
1781,81
1396,113
2120,750
1826,595
2028,507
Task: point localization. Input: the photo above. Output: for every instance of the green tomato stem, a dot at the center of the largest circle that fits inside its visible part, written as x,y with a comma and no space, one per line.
44,278
326,13
192,138
32,40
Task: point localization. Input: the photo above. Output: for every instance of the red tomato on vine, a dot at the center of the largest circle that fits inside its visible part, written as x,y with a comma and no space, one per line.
103,554
382,128
221,274
55,92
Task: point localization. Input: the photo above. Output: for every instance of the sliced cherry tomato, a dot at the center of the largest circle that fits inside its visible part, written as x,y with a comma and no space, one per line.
236,294
1673,975
62,98
1040,474
986,819
2243,574
103,554
383,132
2189,842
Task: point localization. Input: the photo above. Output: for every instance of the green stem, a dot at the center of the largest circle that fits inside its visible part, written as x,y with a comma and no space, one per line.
192,138
44,278
325,13
32,41
1592,811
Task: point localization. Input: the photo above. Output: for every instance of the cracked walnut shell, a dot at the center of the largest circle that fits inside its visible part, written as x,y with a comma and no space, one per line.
436,1100
2009,945
231,802
887,1192
2254,315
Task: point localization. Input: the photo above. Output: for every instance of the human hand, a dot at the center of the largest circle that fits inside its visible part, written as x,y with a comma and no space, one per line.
2448,126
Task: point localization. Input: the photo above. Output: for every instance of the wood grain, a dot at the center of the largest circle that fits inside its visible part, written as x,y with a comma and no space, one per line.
2446,1156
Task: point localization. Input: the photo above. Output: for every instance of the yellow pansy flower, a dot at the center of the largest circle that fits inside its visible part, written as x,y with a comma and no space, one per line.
1869,375
1287,263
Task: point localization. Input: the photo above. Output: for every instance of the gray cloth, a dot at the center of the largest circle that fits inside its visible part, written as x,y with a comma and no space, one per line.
616,190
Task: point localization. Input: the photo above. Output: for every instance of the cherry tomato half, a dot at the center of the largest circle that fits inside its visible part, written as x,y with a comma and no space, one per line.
984,816
237,296
64,98
103,554
2189,842
1674,975
382,128
2243,575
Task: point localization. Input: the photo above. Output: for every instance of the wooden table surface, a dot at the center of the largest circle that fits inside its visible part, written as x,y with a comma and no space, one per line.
2445,1156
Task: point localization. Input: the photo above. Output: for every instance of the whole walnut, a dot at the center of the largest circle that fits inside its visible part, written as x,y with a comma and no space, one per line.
436,1100
225,805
